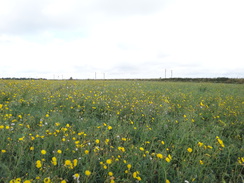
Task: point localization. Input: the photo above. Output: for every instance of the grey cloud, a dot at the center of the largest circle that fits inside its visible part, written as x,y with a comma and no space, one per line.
24,17
30,17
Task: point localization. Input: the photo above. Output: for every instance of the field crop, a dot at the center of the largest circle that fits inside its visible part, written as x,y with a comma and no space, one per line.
121,131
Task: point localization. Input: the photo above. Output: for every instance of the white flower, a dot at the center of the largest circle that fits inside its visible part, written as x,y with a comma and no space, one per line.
76,177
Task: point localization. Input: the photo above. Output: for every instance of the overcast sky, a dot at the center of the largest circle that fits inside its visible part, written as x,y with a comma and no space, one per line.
121,38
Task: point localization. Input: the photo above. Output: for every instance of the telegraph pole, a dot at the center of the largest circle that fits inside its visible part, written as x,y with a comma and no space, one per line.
165,73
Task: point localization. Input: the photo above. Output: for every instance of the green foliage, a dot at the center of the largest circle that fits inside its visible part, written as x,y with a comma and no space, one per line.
122,131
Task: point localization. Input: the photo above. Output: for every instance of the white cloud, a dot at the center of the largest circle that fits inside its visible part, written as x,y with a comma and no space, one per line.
130,38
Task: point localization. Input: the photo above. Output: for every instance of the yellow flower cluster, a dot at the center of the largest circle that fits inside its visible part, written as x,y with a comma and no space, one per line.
70,164
221,143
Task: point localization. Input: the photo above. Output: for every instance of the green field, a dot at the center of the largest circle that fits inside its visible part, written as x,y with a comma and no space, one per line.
121,131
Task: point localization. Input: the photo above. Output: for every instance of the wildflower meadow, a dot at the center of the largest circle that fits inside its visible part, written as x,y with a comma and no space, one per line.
121,131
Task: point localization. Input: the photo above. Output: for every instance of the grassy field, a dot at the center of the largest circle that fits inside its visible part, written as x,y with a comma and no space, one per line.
121,131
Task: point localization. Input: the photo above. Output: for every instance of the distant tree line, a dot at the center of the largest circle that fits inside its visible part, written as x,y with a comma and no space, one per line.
9,78
210,80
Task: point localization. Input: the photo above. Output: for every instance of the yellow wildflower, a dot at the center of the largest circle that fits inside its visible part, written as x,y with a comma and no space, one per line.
43,152
109,161
97,141
27,181
59,151
47,180
138,178
189,150
75,162
121,149
76,175
87,173
129,166
123,139
86,152
106,141
57,124
221,143
160,156
169,158
68,164
200,144
141,149
18,180
135,174
54,161
240,160
38,164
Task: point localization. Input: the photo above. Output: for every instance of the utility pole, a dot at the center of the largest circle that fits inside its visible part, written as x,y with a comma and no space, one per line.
171,73
165,73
